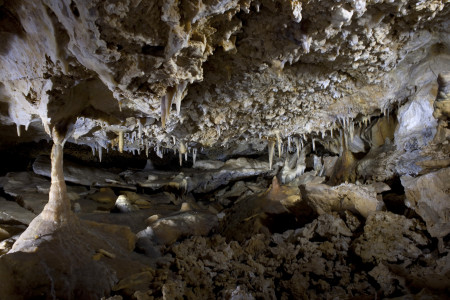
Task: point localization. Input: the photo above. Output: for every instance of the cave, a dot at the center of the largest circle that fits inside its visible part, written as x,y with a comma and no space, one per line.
224,149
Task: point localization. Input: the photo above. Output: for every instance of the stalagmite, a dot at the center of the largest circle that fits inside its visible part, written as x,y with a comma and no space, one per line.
314,144
271,150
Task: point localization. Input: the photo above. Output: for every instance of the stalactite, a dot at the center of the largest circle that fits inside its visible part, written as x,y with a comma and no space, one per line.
297,145
194,155
163,111
139,130
100,153
159,152
18,129
182,147
121,141
271,152
179,96
171,91
278,143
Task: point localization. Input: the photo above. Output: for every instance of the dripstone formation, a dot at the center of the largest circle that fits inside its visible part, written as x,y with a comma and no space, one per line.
224,149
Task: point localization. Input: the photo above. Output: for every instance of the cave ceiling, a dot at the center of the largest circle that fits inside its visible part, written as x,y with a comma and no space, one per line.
215,74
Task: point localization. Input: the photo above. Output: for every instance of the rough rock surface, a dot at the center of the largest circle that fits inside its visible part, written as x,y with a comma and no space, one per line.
117,68
78,174
357,198
169,229
11,212
429,196
390,237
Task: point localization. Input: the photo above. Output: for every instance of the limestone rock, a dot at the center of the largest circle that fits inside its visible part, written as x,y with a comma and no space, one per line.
104,195
19,183
429,196
34,202
3,234
357,198
233,169
391,238
140,200
79,174
251,215
208,164
123,204
169,229
203,181
12,212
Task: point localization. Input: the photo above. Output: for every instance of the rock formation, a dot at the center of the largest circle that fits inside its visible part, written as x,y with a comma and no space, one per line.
233,149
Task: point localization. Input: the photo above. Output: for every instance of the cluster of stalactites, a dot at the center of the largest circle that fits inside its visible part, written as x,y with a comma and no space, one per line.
342,132
174,95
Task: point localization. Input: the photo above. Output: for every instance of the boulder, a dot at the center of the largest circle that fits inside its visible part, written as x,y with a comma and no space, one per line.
123,204
362,199
104,195
429,196
169,229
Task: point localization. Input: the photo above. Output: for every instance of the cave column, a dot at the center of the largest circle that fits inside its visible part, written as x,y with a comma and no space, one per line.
58,208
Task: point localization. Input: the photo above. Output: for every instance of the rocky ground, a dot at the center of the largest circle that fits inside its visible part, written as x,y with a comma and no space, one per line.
230,230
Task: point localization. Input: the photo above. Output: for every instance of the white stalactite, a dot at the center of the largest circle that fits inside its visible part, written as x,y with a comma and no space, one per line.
271,150
121,141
